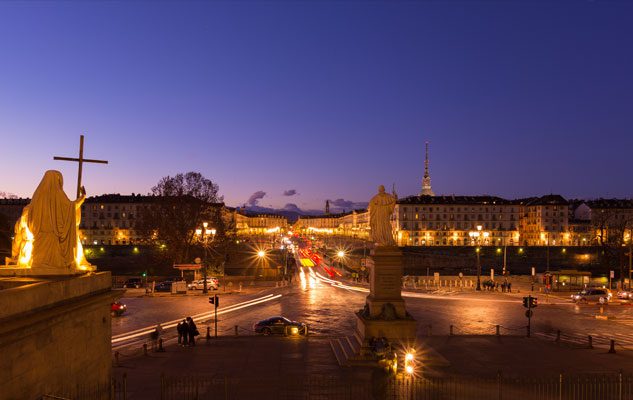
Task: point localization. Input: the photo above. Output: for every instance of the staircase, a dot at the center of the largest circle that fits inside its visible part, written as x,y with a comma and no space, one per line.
347,351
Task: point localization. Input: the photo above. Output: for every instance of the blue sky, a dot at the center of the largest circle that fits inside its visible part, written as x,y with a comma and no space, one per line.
330,99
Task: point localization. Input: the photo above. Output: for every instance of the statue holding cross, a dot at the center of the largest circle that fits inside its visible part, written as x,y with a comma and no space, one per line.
47,240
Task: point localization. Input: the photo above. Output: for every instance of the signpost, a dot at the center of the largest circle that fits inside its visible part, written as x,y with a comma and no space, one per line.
215,300
529,302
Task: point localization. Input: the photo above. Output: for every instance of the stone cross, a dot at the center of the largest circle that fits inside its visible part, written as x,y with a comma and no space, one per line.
80,160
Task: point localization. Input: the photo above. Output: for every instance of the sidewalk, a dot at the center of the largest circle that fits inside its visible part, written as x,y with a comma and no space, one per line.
285,367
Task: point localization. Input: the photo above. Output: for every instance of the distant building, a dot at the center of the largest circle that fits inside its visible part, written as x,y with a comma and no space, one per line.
249,223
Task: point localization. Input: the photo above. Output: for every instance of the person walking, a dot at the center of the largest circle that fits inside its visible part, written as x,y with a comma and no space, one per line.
509,287
181,328
192,331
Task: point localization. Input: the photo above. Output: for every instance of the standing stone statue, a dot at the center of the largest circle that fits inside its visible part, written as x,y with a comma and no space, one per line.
381,208
47,234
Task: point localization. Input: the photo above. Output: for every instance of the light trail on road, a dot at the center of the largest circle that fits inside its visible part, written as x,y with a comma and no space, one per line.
341,285
209,314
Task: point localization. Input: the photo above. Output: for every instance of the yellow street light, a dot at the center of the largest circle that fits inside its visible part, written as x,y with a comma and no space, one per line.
261,253
340,254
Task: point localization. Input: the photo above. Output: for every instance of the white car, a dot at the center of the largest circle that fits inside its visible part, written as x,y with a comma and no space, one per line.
212,283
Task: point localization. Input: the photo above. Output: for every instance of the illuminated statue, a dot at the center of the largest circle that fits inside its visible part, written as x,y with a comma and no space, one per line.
381,208
47,234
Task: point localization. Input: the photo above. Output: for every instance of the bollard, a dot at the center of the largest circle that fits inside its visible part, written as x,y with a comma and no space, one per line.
208,337
601,310
236,330
612,347
160,346
429,330
116,358
497,330
451,330
590,341
528,330
145,348
558,335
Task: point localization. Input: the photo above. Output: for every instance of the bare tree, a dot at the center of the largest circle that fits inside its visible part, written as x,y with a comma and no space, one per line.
180,205
611,223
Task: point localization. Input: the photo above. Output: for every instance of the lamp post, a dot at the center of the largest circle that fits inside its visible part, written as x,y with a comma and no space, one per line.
340,255
478,270
203,236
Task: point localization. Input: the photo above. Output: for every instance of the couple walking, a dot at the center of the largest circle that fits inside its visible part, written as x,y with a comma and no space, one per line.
187,332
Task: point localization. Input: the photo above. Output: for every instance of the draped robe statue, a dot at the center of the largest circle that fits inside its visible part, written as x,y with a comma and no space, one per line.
381,208
47,233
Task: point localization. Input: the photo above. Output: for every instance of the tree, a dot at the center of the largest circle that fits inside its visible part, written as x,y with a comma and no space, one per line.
180,204
611,225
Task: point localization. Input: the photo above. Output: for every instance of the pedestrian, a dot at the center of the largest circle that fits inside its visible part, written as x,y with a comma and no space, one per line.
509,287
155,335
181,329
192,331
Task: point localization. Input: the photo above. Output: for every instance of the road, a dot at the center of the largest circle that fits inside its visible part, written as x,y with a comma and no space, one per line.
328,308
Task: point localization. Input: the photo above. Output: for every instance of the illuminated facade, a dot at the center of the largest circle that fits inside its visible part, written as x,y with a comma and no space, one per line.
247,223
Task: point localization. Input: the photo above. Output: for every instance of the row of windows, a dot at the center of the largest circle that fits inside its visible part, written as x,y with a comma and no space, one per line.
109,207
459,209
110,215
458,225
463,217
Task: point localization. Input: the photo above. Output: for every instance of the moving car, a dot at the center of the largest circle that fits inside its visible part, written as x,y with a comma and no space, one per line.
587,295
133,283
117,309
163,287
212,283
279,325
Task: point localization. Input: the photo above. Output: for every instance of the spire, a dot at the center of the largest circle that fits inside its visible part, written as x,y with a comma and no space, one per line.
393,191
327,207
426,181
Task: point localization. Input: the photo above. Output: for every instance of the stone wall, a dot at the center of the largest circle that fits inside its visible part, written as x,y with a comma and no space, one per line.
55,337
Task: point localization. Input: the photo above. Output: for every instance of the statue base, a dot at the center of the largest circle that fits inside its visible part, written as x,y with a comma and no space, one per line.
393,330
16,270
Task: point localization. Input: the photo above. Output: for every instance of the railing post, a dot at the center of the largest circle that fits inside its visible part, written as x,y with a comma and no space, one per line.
162,386
620,385
125,386
497,330
208,337
116,358
144,348
560,386
612,347
499,384
590,341
451,330
236,334
558,335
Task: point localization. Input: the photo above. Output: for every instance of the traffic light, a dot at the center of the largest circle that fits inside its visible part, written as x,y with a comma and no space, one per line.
144,273
533,302
214,300
530,302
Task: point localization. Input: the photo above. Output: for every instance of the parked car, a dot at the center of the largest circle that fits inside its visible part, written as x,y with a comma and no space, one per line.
117,309
625,295
212,283
163,287
133,283
587,295
279,325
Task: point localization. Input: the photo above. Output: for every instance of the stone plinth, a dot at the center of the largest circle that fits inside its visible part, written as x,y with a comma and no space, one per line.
385,314
55,335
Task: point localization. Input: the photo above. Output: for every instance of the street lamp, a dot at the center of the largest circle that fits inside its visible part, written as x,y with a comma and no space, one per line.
203,236
478,270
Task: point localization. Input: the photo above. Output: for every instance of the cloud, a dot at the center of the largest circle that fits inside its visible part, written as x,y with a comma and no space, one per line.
347,205
292,207
255,197
290,192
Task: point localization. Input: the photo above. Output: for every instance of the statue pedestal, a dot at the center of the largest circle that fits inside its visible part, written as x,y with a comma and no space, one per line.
15,270
385,314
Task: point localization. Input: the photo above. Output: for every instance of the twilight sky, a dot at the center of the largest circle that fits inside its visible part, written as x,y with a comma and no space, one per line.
326,99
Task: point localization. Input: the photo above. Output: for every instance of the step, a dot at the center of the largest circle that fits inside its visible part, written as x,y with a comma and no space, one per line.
338,352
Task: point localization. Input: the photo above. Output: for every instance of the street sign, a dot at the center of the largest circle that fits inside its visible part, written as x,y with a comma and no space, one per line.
528,313
612,274
197,260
